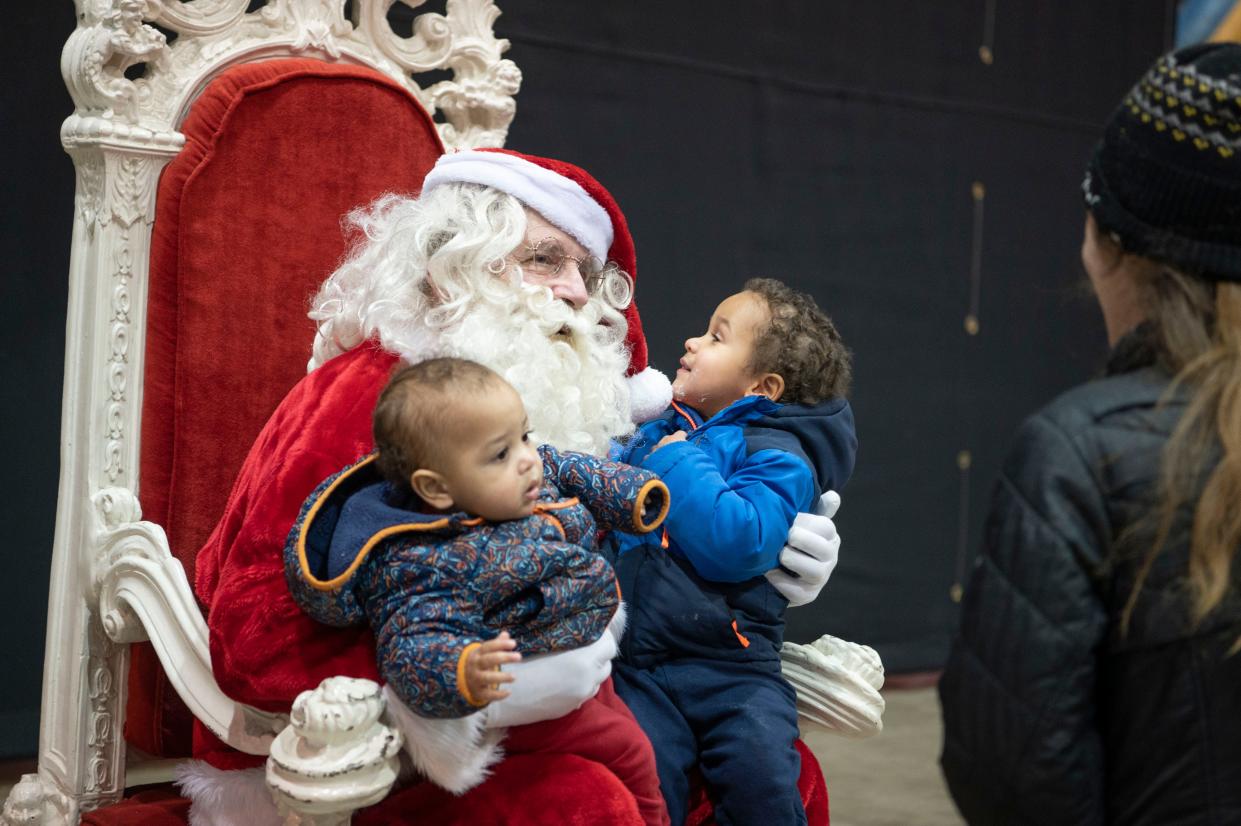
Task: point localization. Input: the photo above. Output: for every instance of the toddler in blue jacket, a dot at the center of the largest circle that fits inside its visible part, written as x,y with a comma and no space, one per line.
758,429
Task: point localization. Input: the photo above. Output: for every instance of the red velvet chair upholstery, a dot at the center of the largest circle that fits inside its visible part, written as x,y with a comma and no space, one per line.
247,226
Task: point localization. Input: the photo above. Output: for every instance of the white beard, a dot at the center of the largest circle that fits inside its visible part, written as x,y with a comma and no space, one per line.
567,367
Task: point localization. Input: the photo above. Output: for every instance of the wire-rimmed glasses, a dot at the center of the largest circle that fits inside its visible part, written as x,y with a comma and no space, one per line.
543,260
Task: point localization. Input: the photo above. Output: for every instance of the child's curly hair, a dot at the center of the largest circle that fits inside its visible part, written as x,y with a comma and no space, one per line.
800,343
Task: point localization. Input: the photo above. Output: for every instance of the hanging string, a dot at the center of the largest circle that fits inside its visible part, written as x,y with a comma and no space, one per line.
971,317
985,53
964,460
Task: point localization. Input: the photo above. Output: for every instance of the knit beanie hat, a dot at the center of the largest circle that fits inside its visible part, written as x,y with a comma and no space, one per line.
1166,176
576,203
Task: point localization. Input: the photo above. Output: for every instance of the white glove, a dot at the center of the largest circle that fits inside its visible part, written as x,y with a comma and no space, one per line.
547,686
810,553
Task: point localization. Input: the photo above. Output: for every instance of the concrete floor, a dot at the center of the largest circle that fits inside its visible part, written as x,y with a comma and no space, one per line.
893,778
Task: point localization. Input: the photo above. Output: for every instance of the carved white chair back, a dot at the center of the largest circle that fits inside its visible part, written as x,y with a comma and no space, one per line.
113,579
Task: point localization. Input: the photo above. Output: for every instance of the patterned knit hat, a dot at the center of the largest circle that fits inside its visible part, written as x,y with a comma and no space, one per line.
572,200
1166,177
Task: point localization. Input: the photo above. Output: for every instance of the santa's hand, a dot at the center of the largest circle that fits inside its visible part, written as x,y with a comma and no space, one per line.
546,686
810,555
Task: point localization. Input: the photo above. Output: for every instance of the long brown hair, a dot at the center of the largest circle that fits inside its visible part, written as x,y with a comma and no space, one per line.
1197,324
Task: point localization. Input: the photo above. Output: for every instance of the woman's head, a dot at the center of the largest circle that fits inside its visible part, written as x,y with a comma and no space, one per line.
1163,244
1164,181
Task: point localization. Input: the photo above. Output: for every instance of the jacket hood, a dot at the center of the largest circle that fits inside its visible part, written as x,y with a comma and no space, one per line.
352,514
823,433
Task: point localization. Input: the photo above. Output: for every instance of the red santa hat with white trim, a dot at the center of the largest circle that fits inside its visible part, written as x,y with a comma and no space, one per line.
571,199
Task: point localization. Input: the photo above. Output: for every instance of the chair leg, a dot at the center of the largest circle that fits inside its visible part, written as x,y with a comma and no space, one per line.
25,803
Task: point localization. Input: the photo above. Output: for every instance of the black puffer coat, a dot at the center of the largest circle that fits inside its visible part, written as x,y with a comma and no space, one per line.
1051,715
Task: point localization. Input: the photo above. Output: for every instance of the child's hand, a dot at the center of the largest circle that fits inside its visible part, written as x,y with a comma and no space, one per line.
679,436
483,676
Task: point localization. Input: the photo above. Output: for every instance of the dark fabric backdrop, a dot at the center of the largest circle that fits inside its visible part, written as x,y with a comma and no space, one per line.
832,145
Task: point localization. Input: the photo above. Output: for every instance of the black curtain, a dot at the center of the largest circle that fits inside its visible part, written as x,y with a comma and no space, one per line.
908,163
869,154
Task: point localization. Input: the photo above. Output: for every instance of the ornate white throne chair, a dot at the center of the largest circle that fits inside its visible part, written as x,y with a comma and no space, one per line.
168,87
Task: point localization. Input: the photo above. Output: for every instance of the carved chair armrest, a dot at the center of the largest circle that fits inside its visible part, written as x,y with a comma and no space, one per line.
336,756
330,756
143,594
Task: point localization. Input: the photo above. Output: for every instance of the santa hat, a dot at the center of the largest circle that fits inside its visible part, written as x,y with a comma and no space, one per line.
572,200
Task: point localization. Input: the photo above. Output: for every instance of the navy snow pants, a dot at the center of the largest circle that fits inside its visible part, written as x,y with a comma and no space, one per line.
735,721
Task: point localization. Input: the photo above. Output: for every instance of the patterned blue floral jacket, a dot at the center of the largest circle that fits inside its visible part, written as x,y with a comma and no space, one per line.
432,586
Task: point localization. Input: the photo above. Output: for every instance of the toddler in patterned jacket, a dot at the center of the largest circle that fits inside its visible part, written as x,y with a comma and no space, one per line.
464,547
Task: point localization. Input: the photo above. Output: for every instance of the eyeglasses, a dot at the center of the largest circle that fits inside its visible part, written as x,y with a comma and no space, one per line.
542,261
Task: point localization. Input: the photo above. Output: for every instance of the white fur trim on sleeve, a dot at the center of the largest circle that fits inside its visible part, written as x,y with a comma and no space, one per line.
226,798
650,393
558,199
617,624
453,753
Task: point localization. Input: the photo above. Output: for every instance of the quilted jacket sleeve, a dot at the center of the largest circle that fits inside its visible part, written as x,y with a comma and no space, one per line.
613,492
1021,740
731,528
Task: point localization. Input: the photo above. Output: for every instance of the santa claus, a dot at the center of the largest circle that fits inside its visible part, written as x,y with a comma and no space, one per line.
523,264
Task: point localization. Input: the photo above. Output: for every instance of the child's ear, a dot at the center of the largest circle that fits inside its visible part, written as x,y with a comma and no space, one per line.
432,488
770,385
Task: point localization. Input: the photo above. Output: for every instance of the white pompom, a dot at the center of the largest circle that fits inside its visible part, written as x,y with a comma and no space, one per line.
650,393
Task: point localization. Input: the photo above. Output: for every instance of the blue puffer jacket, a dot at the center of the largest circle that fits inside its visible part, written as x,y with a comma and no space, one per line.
432,586
736,484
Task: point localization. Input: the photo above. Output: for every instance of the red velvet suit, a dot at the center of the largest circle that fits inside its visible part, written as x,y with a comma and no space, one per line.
264,649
